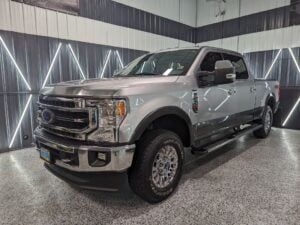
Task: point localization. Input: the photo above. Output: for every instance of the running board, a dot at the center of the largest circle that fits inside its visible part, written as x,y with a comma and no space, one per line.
216,145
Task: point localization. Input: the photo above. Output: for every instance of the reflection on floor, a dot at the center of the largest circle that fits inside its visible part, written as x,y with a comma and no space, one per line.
248,182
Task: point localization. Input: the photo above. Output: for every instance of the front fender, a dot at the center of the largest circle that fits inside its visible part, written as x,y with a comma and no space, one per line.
144,110
164,111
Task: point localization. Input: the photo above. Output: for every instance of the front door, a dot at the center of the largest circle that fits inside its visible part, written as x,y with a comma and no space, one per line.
245,89
217,103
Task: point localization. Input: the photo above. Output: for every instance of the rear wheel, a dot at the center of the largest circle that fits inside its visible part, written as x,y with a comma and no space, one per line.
157,166
266,121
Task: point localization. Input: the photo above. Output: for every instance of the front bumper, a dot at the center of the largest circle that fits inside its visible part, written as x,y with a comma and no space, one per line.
119,157
104,181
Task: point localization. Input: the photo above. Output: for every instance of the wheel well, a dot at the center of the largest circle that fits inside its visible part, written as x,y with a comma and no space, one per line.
271,102
175,124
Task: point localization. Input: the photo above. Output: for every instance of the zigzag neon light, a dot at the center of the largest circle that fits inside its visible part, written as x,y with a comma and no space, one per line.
77,62
15,63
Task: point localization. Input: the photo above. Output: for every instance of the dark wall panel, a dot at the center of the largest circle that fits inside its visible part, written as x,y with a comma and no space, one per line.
284,69
286,72
288,98
257,22
123,15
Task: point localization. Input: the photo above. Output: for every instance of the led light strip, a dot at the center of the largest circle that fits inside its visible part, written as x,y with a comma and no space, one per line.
51,65
77,62
15,63
105,64
271,67
120,60
291,112
30,97
298,101
294,58
20,121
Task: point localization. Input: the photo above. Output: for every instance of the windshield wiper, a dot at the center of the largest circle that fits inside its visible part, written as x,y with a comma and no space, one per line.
147,73
135,74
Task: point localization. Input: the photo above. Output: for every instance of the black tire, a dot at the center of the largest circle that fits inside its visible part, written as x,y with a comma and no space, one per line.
266,128
140,174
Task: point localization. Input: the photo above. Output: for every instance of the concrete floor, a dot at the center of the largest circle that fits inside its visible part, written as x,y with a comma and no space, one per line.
248,182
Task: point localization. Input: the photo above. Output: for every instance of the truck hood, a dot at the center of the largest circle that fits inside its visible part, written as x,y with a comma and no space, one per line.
107,87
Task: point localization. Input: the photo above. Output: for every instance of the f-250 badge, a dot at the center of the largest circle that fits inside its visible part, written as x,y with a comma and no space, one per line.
195,101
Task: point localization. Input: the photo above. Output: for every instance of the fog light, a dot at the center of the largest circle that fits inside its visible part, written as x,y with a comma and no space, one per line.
101,156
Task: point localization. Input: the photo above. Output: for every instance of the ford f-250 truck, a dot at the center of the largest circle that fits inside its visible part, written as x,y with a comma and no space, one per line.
137,124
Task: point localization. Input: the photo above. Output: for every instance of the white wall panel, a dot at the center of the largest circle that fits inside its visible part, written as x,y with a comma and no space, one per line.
41,21
188,12
33,20
260,41
230,43
62,26
183,11
52,29
5,22
72,27
208,10
254,6
17,17
30,21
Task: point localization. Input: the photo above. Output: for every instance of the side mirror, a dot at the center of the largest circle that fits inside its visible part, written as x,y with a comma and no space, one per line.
205,78
224,72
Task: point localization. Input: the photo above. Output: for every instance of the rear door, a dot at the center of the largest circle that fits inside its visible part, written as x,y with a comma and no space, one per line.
217,103
245,89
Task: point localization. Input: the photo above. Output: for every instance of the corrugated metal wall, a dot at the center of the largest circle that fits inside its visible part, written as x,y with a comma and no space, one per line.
284,69
33,55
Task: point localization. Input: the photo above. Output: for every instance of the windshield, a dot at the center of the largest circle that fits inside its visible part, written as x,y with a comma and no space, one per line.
163,63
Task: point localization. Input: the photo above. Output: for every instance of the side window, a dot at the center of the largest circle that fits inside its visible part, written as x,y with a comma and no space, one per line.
208,63
239,64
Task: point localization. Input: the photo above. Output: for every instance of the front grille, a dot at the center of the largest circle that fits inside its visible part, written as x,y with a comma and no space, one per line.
66,117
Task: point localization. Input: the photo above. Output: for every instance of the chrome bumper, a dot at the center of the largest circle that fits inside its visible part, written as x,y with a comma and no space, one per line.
120,156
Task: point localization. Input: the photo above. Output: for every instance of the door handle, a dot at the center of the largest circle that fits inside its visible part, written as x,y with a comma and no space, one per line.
252,89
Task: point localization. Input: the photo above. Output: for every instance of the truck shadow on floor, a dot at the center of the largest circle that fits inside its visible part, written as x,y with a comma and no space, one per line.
196,166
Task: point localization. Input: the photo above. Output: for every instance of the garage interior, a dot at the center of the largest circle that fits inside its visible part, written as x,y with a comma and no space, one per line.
249,181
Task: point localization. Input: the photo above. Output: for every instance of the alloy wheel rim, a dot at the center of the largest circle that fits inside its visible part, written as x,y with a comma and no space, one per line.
164,166
267,121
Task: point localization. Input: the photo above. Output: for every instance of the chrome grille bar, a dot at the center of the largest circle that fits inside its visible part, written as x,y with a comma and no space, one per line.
71,118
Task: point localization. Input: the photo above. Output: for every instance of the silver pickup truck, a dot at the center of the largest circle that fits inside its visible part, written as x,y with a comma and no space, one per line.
139,124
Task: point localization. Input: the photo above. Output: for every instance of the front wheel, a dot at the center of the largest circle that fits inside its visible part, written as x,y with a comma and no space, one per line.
157,165
266,121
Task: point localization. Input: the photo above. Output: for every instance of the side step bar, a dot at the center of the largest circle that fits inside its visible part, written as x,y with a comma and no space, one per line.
216,145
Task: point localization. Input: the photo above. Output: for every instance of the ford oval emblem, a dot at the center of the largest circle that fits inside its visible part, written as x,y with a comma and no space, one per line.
48,116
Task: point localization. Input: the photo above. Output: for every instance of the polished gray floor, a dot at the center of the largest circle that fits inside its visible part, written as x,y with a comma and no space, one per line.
248,182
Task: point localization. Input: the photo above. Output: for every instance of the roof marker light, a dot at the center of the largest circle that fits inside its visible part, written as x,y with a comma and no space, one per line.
51,65
105,64
15,63
20,121
77,62
273,63
291,112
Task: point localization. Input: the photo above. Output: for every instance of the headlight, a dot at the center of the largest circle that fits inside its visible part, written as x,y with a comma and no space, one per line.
111,113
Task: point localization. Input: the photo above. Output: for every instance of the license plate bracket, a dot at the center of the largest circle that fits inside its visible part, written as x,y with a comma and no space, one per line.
45,154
